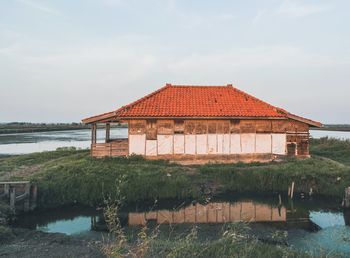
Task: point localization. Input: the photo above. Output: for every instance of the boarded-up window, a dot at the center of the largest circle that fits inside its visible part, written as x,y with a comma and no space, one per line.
280,126
151,130
247,126
165,127
291,148
235,126
303,147
291,138
201,127
179,126
295,126
302,144
263,126
137,127
190,127
212,127
223,127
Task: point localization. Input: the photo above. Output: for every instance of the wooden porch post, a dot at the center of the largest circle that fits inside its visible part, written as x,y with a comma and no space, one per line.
93,134
108,132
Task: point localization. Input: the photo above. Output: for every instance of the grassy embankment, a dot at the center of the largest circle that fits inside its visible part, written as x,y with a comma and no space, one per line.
68,176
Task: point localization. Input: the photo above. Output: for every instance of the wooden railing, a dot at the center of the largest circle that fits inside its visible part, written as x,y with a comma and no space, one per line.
20,194
118,147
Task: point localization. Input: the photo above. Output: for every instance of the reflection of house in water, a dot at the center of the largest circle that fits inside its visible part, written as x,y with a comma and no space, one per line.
212,213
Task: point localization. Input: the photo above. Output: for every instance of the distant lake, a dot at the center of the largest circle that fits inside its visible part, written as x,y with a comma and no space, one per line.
23,143
332,134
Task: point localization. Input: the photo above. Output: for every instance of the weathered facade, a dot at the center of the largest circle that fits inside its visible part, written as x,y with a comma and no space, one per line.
204,123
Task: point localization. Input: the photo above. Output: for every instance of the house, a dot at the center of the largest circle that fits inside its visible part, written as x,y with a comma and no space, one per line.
203,123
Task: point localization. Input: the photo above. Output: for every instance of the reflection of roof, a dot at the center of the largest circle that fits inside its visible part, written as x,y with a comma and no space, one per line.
180,101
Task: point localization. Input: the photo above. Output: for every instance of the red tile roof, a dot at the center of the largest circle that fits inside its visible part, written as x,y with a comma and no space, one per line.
180,101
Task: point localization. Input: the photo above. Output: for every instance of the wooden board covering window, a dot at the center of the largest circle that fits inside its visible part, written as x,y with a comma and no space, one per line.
296,126
280,126
165,127
137,127
291,148
201,127
179,127
151,129
303,144
223,127
303,147
212,125
235,126
190,127
247,126
263,126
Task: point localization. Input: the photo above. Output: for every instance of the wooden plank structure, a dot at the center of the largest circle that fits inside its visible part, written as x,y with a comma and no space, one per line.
21,195
202,124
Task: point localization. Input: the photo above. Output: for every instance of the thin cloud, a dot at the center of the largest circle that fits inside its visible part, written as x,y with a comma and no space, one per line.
39,7
113,3
260,14
296,9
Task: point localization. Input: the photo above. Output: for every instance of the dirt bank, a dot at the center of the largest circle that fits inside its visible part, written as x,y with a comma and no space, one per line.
29,243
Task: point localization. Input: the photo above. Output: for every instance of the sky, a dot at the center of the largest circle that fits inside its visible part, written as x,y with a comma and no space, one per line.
64,60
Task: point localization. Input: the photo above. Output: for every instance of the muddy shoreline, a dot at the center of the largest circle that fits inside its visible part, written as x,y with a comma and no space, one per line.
31,244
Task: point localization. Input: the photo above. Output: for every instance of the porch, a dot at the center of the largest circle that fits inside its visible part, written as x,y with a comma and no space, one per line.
110,147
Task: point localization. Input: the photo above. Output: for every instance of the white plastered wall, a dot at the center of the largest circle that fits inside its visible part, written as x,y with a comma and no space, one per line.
201,144
179,144
212,144
137,144
235,144
220,139
248,142
263,143
165,144
190,144
226,144
279,142
151,147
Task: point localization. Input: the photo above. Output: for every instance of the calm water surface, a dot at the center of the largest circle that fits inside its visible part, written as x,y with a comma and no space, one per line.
310,225
23,143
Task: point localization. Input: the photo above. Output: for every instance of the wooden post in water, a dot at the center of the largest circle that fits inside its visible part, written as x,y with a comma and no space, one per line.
346,202
12,198
279,200
26,205
292,191
33,195
6,190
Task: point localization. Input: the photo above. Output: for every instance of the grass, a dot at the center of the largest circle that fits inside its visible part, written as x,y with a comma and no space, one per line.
16,166
338,150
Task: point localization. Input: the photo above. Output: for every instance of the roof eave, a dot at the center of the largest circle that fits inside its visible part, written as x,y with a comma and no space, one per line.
104,118
305,120
95,119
